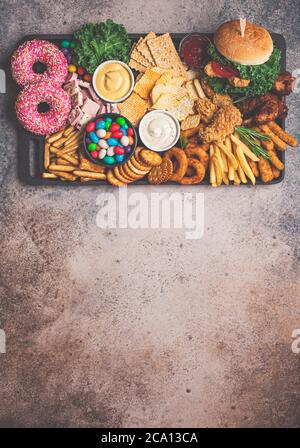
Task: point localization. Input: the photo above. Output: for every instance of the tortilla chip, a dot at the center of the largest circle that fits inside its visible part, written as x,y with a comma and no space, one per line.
165,55
192,121
144,86
143,48
159,89
166,101
134,108
169,77
183,109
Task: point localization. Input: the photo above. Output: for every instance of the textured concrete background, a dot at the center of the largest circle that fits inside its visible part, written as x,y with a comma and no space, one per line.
145,328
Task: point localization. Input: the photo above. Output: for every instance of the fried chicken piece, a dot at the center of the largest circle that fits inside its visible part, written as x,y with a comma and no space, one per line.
268,108
261,109
221,100
283,109
206,109
265,170
283,85
235,81
223,124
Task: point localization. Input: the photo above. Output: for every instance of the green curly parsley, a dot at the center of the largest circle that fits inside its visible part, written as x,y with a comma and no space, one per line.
262,76
100,42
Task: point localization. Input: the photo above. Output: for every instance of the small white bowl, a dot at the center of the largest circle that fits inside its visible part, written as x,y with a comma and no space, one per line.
131,76
177,124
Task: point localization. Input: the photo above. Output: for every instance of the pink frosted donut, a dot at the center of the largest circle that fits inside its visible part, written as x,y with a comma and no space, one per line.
43,93
33,51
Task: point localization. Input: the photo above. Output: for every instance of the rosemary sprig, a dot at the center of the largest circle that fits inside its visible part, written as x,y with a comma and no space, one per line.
250,137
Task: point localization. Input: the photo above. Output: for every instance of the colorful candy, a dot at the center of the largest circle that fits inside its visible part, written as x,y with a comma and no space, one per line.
109,140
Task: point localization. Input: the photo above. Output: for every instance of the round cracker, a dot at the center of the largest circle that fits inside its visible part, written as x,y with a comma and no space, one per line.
119,176
133,168
161,173
151,158
138,164
130,173
113,180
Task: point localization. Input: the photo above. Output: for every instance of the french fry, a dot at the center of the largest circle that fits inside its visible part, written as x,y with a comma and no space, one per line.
199,89
229,154
236,179
244,164
265,170
218,170
235,139
220,161
283,135
62,174
46,155
242,175
280,144
49,176
224,161
65,168
212,173
81,173
230,166
225,178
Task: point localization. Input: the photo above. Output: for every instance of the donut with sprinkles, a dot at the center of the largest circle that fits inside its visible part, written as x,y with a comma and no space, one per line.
38,51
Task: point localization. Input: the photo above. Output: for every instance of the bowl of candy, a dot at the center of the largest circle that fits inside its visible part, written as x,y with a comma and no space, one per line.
109,140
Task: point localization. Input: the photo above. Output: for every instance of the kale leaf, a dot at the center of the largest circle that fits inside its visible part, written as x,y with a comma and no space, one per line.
100,42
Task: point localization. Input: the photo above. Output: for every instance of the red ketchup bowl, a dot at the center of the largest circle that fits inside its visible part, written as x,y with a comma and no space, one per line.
192,49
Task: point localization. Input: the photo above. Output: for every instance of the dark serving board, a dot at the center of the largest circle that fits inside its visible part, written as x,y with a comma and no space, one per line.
31,147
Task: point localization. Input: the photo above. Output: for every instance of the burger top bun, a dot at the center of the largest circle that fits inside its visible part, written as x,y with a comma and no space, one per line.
254,48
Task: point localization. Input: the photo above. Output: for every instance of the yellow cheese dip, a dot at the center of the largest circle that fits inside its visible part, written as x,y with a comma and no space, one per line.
113,81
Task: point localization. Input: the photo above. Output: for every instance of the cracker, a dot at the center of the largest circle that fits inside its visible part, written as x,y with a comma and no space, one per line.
137,66
170,77
151,158
190,122
165,55
134,108
161,173
113,180
143,48
145,85
138,57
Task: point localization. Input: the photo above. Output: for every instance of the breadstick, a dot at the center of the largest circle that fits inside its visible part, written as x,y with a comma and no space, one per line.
65,168
281,145
283,135
46,155
68,131
70,159
67,176
54,137
90,175
49,176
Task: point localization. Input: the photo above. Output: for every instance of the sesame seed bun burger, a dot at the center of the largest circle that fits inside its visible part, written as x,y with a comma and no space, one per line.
242,59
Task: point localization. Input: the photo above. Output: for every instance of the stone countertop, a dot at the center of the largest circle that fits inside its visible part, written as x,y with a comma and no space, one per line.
124,327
